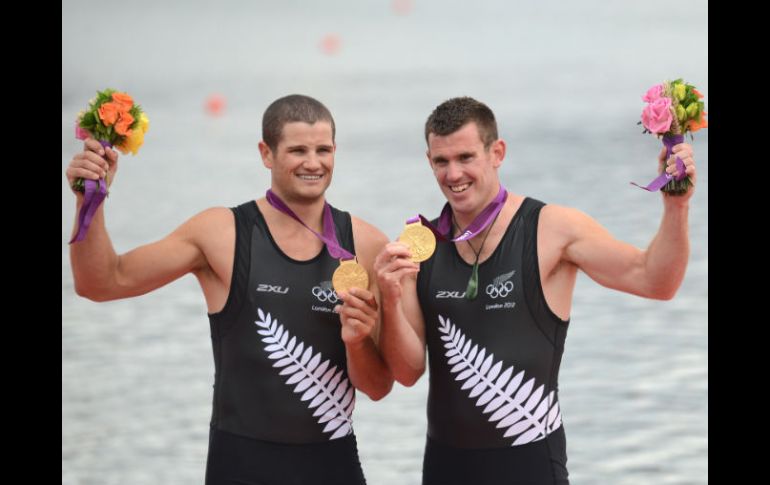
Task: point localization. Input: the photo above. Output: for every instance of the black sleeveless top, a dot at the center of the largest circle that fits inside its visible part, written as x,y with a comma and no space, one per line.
281,371
494,361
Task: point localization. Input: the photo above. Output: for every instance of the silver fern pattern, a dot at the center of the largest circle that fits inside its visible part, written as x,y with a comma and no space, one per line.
329,390
517,406
503,278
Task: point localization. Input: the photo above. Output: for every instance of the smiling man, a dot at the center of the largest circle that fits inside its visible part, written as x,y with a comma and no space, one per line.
286,365
493,305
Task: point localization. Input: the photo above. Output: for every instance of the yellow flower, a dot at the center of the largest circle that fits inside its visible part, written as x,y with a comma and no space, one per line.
680,91
144,123
692,110
681,114
132,142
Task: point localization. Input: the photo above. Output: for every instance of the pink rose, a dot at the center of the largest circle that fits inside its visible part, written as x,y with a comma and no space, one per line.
80,133
653,94
657,116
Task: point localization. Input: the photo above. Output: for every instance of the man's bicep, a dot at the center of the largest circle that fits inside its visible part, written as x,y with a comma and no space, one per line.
153,265
608,261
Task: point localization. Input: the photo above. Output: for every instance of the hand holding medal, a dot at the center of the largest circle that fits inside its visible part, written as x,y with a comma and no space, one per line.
485,219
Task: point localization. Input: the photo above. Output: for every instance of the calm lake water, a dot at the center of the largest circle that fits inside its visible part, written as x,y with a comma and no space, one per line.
565,83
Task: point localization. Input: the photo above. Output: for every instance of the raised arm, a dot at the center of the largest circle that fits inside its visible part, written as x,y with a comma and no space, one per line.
360,318
656,272
101,274
402,339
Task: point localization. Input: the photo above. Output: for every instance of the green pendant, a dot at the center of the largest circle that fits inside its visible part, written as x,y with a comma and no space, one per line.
473,283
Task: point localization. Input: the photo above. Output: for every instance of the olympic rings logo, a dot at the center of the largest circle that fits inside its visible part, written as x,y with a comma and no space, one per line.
500,290
324,295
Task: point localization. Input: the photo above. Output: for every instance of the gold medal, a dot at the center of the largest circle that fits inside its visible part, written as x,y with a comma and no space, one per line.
420,240
350,274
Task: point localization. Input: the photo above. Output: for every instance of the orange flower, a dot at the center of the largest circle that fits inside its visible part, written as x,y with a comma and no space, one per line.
123,126
108,113
123,100
135,140
693,90
694,125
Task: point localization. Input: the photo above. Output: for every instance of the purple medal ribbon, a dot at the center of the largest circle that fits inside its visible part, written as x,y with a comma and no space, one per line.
94,194
329,236
661,180
480,223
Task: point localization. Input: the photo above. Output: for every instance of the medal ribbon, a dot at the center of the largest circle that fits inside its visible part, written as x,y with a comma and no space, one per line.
478,225
93,196
329,236
486,217
661,180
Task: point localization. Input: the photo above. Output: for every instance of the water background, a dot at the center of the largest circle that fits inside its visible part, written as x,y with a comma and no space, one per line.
564,80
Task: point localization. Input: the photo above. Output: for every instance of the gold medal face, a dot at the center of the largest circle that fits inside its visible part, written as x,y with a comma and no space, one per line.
350,274
420,240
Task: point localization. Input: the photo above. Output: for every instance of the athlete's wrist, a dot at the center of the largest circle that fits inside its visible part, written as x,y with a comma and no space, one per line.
359,344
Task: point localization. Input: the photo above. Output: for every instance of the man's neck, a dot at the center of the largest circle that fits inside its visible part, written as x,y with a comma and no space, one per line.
464,219
309,211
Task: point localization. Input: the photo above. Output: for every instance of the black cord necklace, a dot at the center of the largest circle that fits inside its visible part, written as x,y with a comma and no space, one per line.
472,290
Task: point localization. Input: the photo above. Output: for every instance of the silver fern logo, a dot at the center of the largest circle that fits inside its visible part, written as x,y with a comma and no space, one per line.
523,413
328,387
501,286
324,292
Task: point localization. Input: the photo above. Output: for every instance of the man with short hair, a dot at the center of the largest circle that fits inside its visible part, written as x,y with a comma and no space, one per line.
492,305
285,370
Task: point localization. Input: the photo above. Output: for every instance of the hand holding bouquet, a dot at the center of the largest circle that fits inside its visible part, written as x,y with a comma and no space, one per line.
673,109
114,120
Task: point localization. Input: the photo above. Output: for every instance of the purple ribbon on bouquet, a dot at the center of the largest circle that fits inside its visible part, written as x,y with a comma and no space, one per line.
93,196
661,180
485,218
329,236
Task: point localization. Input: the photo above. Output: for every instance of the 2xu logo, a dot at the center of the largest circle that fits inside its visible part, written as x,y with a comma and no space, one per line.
499,288
265,288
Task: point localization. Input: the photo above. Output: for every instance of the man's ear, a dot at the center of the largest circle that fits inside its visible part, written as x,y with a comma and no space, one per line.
498,152
267,155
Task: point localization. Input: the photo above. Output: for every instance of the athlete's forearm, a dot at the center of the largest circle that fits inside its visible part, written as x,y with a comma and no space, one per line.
367,370
93,259
401,346
668,253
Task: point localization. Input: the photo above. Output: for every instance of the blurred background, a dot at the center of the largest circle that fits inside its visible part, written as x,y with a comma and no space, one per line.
565,80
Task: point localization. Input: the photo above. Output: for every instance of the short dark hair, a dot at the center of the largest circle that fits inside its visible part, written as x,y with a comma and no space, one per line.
290,109
453,114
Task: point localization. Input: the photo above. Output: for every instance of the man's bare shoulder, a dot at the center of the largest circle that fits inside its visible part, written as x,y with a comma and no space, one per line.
210,225
367,235
368,238
562,220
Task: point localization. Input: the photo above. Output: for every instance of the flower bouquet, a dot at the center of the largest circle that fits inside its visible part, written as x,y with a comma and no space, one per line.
673,109
114,120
